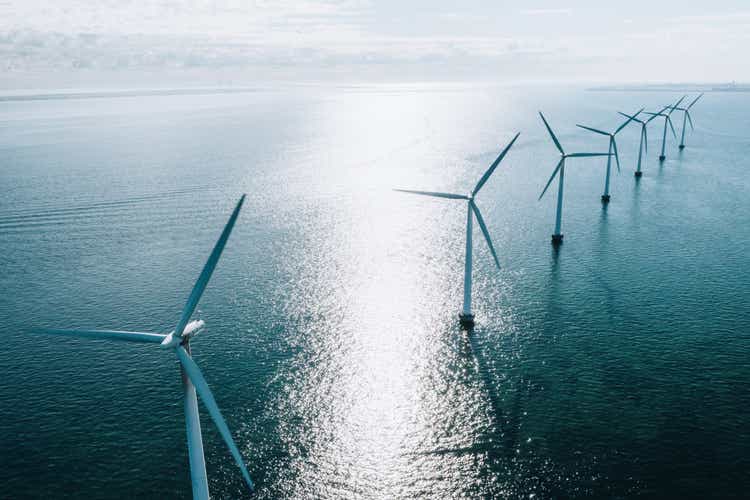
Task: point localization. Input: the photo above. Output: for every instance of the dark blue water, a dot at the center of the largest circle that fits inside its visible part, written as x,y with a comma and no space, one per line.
616,367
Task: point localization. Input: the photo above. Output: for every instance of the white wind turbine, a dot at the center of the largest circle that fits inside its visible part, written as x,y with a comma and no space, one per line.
466,316
667,121
686,118
643,146
193,381
612,148
557,237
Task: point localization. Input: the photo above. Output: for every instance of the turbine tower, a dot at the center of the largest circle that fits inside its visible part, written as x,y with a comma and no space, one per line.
686,118
557,236
612,148
193,381
466,316
667,121
643,146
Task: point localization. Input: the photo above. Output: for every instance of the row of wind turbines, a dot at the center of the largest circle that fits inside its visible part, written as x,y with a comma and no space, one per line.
466,316
665,113
178,341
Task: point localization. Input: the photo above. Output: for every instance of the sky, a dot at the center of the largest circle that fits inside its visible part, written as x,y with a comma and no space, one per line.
139,42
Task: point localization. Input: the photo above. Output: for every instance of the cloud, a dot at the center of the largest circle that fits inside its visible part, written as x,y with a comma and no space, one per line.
306,38
39,50
726,18
161,17
546,12
154,34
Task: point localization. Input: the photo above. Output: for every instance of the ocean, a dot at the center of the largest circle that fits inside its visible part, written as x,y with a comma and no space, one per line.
616,366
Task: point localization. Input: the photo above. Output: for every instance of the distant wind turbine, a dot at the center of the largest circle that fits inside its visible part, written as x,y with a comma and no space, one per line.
643,146
686,118
557,237
466,316
612,148
667,121
192,379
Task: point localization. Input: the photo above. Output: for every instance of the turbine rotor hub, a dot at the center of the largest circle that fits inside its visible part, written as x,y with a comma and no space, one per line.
191,330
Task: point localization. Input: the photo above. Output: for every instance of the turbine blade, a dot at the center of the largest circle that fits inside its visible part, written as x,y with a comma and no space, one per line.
669,120
654,115
552,134
434,194
486,233
154,338
630,119
694,101
651,114
676,104
554,173
208,269
201,387
628,116
617,156
586,155
596,131
690,119
494,165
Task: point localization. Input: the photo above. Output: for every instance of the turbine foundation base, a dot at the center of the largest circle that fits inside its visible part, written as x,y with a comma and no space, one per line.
639,174
605,198
682,146
662,158
557,239
466,320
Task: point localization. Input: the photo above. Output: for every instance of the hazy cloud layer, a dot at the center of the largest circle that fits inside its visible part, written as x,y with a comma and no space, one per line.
311,39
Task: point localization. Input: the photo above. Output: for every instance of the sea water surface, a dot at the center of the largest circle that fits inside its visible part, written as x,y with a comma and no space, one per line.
615,367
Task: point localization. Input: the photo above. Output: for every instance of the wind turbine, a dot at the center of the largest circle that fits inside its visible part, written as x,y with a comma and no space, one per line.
612,148
667,121
557,237
192,379
643,146
685,118
466,316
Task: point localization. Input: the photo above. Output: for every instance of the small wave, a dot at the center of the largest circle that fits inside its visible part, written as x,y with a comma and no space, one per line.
36,216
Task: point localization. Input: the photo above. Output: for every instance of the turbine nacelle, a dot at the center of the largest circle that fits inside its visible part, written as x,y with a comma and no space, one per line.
191,330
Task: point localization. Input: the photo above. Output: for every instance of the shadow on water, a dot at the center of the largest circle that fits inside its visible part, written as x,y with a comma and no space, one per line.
604,251
507,416
635,204
552,308
502,444
660,171
603,228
